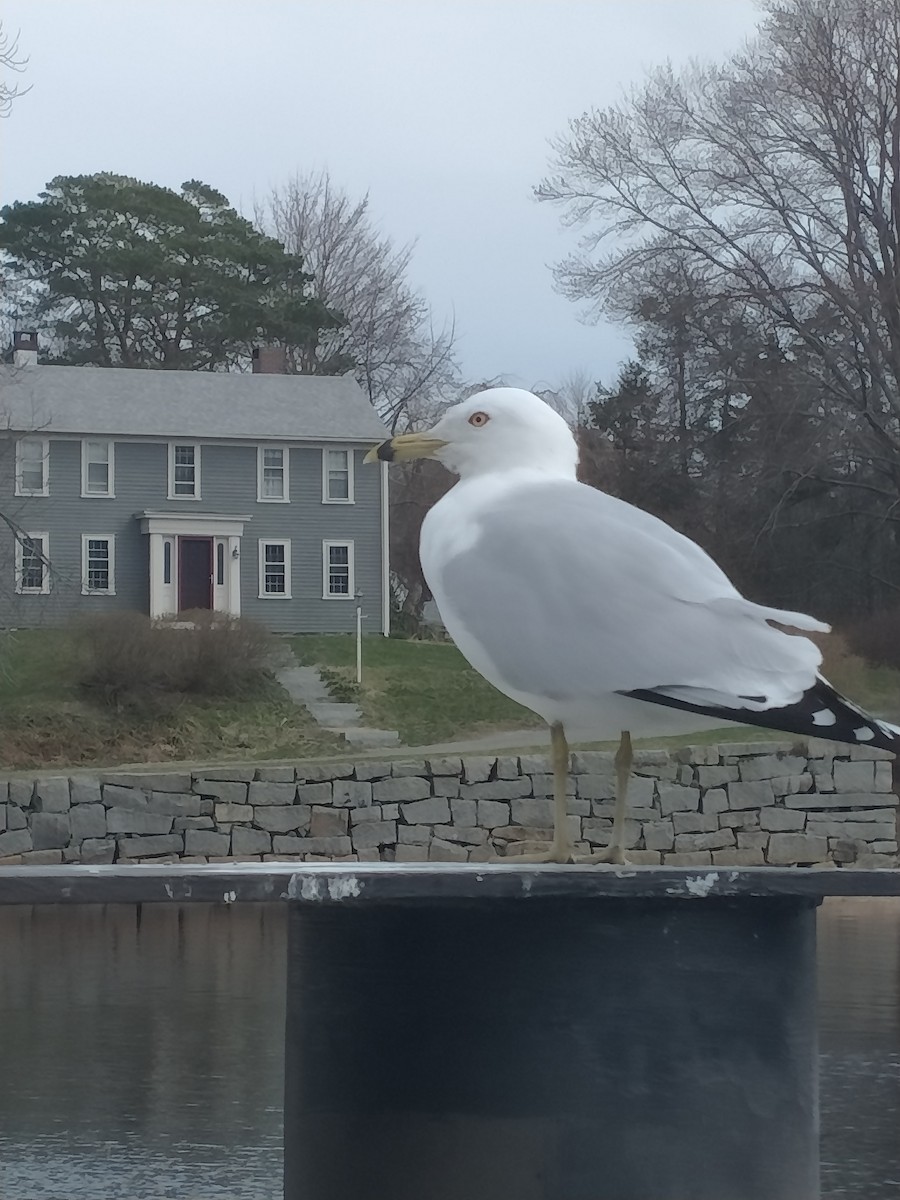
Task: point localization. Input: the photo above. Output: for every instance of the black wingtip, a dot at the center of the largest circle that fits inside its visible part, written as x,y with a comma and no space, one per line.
385,452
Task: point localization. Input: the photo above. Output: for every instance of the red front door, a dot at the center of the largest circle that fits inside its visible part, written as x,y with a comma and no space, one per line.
195,573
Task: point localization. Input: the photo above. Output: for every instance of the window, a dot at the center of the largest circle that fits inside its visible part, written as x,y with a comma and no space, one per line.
32,467
338,570
97,468
272,474
220,564
274,569
337,476
98,565
184,471
167,562
33,564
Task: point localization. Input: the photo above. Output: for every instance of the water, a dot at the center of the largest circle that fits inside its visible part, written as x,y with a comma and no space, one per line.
140,1052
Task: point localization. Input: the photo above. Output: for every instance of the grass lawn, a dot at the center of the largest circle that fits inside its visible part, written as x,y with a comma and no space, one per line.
44,721
426,690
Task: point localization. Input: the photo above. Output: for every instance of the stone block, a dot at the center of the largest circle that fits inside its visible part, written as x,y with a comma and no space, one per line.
41,858
203,841
443,766
315,793
414,835
374,812
445,785
861,752
715,777
84,790
685,775
290,845
643,759
88,821
756,794
659,835
332,847
15,817
782,820
469,835
533,812
464,812
179,824
701,755
876,862
150,847
542,784
15,841
282,819
441,851
272,793
497,789
534,764
884,777
124,820
372,770
349,793
738,858
115,796
507,767
373,855
592,762
744,818
3,818
787,785
858,831
97,851
673,798
601,787
882,847
228,791
741,750
705,841
714,801
147,781
492,813
753,840
688,858
329,822
694,822
405,767
250,841
283,774
600,832
411,854
372,834
433,811
222,774
770,766
174,804
477,768
645,858
816,800
854,776
227,814
319,772
51,795
401,791
21,792
789,848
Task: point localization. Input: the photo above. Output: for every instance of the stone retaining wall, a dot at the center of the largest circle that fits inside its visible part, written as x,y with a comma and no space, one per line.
736,804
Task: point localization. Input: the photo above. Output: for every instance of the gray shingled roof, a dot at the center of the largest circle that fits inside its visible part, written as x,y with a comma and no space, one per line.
191,404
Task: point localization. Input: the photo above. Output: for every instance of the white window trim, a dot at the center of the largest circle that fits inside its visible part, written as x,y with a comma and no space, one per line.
326,546
110,539
286,460
44,590
45,456
171,493
326,499
263,594
110,493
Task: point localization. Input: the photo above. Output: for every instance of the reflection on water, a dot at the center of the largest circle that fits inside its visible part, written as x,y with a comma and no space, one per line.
140,1052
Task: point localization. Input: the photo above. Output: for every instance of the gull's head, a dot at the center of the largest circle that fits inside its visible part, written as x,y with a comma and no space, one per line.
494,430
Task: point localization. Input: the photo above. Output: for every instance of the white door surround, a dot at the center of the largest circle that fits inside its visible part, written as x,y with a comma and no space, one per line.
164,530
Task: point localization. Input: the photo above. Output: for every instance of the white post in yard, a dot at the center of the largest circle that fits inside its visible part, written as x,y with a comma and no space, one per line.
359,637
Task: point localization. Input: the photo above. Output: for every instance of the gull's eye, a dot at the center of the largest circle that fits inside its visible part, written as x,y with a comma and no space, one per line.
478,419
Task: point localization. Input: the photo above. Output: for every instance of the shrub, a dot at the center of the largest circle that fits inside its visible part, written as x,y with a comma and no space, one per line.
125,659
877,638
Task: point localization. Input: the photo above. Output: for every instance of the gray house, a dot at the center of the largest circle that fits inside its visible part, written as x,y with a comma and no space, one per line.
164,491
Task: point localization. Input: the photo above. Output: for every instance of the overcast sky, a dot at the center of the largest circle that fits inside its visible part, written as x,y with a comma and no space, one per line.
440,109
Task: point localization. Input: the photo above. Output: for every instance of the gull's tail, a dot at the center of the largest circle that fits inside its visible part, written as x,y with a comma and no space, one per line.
820,712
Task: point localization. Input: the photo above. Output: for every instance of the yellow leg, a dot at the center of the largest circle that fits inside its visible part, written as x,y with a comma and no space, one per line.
561,848
615,851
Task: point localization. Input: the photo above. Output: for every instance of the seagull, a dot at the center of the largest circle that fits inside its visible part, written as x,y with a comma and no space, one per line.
596,615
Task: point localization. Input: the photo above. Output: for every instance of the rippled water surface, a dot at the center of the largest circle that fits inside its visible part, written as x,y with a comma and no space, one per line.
140,1052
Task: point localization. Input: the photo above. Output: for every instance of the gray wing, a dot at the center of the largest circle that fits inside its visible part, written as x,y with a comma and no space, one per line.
572,594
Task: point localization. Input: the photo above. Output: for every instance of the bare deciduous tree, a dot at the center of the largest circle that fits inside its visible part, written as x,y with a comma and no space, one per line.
10,61
389,342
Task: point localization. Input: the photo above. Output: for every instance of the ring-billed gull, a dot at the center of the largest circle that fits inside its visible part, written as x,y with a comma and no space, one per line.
595,614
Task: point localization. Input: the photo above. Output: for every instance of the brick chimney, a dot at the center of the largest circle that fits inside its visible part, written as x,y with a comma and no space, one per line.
25,348
269,360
